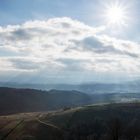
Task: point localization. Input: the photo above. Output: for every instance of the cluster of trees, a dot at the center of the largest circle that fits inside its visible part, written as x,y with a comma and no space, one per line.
114,129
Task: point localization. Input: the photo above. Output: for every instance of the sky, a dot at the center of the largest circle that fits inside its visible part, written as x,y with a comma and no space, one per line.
69,41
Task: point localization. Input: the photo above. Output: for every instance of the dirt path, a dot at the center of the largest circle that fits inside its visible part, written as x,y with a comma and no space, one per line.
48,124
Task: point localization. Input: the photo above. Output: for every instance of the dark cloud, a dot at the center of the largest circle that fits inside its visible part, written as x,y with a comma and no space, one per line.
74,64
95,45
20,34
24,64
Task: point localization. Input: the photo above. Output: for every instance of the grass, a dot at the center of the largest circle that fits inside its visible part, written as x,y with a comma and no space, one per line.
46,124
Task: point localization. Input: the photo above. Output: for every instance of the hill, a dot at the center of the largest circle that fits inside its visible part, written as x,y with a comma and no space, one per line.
95,122
14,100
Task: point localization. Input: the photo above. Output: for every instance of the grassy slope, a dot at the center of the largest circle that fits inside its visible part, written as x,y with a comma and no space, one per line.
51,125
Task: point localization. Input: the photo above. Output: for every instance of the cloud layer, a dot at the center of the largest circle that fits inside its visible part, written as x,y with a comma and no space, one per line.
67,46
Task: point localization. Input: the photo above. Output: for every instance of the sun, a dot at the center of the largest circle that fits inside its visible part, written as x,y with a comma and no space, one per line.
116,14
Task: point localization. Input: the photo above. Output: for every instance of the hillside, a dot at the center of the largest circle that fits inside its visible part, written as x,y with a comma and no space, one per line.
14,100
29,100
97,122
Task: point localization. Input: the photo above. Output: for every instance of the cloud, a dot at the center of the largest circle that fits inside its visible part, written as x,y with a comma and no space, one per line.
99,46
66,45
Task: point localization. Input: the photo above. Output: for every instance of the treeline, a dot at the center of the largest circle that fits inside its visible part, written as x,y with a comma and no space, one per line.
109,122
114,129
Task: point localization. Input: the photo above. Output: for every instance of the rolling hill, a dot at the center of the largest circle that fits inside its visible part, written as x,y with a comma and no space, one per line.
95,122
14,100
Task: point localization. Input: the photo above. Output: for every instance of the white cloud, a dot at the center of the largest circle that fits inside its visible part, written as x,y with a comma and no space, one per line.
67,45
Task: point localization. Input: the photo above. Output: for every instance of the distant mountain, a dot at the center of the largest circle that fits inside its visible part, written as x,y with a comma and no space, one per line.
93,88
89,88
